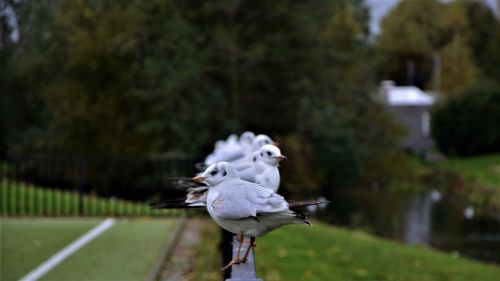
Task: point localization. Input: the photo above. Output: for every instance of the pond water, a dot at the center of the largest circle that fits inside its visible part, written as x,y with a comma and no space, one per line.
428,218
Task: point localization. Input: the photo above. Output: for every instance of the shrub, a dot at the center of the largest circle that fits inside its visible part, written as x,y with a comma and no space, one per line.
470,123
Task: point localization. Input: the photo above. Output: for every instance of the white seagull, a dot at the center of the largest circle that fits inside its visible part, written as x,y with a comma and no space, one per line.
246,161
228,150
264,170
245,208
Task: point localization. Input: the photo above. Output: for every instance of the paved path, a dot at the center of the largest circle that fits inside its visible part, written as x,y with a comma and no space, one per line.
182,260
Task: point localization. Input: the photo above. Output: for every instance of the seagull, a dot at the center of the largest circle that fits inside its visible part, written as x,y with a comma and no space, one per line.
228,150
264,171
246,161
246,208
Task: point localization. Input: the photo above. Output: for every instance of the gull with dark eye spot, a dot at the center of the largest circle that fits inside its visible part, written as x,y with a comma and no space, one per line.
265,171
245,162
247,209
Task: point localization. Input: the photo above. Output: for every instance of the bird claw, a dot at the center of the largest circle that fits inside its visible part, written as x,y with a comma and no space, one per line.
235,261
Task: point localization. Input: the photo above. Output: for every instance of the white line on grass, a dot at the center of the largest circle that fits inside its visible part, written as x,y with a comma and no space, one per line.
60,256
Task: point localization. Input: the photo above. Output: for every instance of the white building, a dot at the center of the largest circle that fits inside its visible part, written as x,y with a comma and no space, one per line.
411,107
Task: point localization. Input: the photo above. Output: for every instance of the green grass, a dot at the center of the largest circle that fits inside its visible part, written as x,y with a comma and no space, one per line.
328,253
482,169
126,251
26,243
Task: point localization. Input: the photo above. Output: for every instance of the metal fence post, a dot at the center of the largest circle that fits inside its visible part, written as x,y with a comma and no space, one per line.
243,271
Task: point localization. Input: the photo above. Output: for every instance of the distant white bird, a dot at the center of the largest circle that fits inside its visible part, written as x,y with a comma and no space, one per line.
246,161
246,208
228,150
246,141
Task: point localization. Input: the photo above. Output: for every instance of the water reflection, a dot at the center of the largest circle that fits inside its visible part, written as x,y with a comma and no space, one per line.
419,218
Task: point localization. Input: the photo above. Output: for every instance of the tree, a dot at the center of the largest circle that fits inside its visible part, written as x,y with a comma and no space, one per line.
154,77
411,34
468,124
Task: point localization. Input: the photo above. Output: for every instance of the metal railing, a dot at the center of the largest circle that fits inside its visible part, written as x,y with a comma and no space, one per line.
243,271
132,178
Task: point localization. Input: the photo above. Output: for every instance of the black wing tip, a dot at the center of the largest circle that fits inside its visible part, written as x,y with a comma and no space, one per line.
173,205
302,204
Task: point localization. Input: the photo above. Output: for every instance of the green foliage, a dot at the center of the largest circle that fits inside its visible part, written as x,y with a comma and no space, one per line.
139,78
491,62
411,33
468,124
457,34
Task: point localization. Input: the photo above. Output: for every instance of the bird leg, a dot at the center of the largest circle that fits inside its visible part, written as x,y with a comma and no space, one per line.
236,260
251,244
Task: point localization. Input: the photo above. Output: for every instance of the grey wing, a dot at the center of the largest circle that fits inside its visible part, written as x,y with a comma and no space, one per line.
228,206
265,200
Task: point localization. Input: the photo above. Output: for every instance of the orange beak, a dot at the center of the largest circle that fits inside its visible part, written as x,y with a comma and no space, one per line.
199,179
277,144
281,157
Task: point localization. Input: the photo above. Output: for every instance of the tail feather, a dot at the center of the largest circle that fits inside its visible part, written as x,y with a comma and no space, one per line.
294,205
300,215
184,183
175,204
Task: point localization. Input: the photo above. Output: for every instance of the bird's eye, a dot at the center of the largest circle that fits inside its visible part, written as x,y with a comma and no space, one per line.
268,142
254,159
261,154
269,153
213,173
224,174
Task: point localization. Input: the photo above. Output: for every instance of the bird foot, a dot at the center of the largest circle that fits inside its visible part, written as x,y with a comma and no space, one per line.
235,261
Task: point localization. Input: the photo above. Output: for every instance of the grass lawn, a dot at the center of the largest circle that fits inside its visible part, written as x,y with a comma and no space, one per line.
329,253
483,169
126,251
26,243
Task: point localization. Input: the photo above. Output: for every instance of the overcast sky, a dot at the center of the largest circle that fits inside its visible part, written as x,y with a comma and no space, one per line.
379,9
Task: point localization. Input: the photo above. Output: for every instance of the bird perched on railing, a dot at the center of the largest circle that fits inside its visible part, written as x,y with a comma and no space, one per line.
241,195
245,208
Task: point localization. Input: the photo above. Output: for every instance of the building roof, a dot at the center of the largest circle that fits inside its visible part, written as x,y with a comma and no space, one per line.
407,95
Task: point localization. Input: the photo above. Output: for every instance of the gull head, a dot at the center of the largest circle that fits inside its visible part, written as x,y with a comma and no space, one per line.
217,173
247,138
271,155
232,139
261,140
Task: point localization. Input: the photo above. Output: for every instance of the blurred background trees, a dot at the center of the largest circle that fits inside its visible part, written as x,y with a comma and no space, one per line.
141,78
